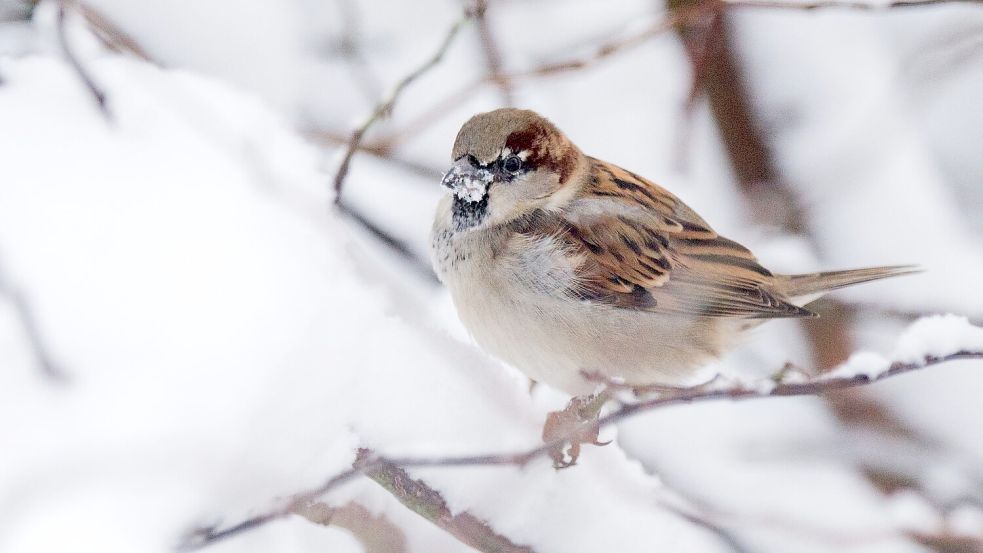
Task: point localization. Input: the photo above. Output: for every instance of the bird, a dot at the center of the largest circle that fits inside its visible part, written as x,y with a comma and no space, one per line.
566,266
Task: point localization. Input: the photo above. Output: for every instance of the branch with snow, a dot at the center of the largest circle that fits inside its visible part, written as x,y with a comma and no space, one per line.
428,503
928,342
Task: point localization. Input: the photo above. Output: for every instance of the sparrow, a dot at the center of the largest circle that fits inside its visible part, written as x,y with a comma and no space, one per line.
564,265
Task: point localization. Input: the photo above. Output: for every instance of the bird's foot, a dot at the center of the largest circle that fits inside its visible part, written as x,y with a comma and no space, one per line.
575,425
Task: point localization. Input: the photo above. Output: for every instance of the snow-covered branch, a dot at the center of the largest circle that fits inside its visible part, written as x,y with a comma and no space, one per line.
862,370
428,503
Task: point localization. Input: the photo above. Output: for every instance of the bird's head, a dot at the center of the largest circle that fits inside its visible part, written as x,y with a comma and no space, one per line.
507,163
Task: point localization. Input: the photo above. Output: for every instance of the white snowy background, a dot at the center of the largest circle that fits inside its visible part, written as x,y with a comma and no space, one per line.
219,337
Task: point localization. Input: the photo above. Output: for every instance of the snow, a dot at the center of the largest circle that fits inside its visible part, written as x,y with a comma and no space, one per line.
913,513
966,520
196,305
927,337
229,340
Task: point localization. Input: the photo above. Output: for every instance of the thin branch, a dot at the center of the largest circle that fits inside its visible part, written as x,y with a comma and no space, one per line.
382,151
725,536
97,93
111,35
841,4
386,107
600,53
493,55
25,314
203,537
606,50
428,503
401,248
350,49
609,49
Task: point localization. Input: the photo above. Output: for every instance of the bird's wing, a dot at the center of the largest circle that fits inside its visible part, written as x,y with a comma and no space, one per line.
636,246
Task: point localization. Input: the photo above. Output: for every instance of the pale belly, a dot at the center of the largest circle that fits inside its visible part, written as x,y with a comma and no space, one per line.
555,339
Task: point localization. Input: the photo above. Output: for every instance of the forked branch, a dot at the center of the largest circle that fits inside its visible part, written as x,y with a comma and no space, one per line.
367,464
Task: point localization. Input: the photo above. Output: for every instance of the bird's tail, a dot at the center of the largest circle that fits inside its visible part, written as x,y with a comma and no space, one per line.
806,288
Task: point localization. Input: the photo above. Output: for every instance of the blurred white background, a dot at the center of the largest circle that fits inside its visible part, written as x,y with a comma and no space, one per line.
191,331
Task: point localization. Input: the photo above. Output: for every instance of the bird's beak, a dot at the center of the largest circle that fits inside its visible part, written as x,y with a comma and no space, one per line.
467,182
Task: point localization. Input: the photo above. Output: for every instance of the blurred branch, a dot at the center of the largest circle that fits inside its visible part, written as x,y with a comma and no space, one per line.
376,149
350,48
493,55
111,35
401,248
386,107
428,503
772,201
375,532
97,93
666,397
674,18
726,537
841,4
25,315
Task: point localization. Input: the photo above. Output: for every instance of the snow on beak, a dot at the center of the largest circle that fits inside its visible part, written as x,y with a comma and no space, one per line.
467,182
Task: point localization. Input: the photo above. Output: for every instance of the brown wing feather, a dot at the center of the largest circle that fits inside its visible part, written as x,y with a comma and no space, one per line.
640,247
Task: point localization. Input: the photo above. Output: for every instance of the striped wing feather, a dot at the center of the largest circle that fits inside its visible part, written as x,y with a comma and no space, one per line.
639,247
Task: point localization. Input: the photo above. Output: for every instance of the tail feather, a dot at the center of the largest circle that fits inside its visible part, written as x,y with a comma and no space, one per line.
809,287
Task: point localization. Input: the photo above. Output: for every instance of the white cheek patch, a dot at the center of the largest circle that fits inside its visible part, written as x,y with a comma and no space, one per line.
522,154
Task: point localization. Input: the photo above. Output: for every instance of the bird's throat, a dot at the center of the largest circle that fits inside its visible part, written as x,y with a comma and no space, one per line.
466,214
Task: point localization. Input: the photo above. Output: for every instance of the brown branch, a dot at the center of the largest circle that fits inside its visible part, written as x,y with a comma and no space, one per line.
386,107
428,503
350,49
493,55
673,18
111,35
600,53
841,4
607,50
382,151
206,536
97,93
399,247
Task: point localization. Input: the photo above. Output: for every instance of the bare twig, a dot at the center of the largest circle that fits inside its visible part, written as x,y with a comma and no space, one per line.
493,55
673,19
428,503
398,246
350,48
608,49
386,107
97,93
725,536
25,314
841,4
376,149
111,35
207,536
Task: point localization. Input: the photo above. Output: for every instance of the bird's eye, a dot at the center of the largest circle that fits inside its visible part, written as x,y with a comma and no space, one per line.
512,164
